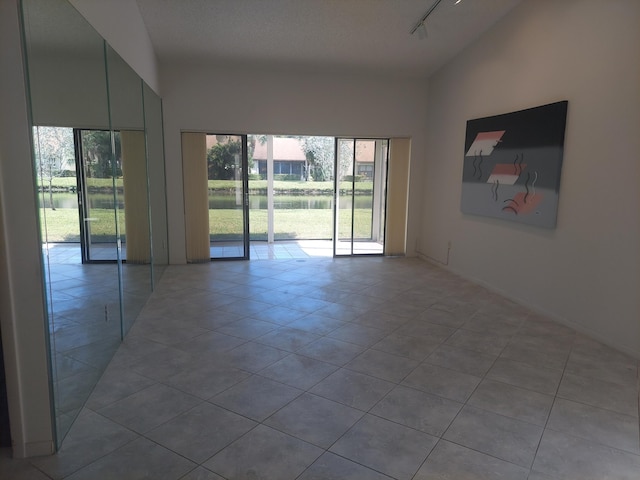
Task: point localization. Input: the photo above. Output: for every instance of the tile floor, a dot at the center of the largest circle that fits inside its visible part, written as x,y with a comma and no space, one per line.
353,368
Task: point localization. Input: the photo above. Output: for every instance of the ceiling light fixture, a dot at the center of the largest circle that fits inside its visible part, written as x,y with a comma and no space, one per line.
420,27
422,31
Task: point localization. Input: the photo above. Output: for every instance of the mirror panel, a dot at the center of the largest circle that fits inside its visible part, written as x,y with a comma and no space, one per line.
157,181
90,151
67,87
125,94
66,68
126,108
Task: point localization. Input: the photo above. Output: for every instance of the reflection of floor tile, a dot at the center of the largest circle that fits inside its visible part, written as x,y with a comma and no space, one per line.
331,350
422,411
137,460
513,402
298,371
71,392
386,366
333,467
207,379
598,394
149,408
622,371
353,389
252,357
92,437
505,438
461,360
201,432
538,379
564,456
385,446
115,385
451,461
441,381
314,419
287,338
256,397
417,348
592,423
264,453
201,473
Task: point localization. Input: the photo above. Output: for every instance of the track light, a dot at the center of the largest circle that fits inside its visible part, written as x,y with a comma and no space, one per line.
419,27
422,31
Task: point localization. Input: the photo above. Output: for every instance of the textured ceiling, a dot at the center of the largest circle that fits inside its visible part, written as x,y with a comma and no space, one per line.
334,35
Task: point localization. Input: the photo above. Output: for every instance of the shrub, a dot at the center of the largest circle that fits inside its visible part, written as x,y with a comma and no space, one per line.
354,178
286,177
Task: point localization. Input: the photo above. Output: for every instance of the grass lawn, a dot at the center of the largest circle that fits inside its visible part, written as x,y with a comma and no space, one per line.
62,224
289,224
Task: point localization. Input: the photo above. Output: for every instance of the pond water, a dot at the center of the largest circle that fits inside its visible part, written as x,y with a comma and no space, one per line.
70,200
256,202
289,202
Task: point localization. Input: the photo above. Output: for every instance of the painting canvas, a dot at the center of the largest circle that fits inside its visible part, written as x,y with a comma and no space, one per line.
512,165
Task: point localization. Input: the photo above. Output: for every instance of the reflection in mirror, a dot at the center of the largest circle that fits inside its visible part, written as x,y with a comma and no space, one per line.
80,299
89,143
156,174
67,80
97,183
126,107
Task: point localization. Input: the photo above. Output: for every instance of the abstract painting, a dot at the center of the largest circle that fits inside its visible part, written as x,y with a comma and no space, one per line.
512,165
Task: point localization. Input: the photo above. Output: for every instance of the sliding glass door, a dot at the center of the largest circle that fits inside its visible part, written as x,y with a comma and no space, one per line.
350,171
360,192
227,175
97,174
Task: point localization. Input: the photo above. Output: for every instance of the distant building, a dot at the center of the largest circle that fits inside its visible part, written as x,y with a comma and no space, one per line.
365,155
288,158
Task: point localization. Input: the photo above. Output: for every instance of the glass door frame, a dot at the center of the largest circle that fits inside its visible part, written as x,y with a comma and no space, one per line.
376,184
83,198
244,163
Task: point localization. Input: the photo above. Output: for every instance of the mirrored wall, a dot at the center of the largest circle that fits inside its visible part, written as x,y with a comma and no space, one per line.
99,157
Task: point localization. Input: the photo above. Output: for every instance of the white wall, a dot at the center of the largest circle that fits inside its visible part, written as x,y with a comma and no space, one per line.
21,297
121,25
72,96
586,272
241,100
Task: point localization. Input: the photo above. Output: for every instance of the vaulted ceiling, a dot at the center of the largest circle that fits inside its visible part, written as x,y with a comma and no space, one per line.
333,35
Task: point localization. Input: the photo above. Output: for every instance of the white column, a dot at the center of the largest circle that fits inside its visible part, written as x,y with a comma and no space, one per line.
22,309
270,236
378,188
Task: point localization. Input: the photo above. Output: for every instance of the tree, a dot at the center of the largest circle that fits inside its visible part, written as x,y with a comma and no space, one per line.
97,154
223,159
54,154
320,153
